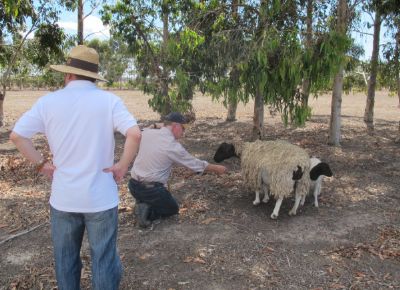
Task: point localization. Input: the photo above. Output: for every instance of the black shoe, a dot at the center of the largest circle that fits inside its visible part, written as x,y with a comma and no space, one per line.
142,212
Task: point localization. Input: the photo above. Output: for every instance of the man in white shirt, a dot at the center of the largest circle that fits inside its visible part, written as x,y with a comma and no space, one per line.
159,151
79,122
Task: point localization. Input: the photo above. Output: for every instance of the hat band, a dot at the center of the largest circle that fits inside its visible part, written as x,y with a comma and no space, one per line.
82,64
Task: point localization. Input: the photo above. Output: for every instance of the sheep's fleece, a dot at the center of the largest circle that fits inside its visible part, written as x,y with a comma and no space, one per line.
279,159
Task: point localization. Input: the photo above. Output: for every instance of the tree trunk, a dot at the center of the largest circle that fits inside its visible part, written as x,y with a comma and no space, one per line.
369,108
164,82
397,64
233,103
336,109
258,118
2,96
336,105
232,106
80,21
306,84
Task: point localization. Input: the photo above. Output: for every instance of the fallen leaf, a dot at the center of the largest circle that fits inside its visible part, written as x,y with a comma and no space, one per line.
337,286
208,221
199,260
360,274
268,249
145,256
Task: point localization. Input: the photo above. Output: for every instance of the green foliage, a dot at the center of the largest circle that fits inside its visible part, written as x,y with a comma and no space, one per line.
114,58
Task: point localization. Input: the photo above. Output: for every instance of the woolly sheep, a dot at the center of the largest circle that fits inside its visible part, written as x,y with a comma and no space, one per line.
318,170
276,168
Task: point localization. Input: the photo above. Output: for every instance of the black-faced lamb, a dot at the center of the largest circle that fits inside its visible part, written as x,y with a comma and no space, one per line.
276,168
318,170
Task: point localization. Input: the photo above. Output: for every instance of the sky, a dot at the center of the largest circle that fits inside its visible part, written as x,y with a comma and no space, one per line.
92,25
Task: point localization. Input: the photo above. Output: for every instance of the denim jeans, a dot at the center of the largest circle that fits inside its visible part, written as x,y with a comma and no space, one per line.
160,200
67,230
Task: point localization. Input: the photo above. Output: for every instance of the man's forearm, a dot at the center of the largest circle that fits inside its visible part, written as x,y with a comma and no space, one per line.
25,146
131,146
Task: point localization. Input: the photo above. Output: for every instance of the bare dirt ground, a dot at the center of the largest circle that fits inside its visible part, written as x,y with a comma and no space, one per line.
220,240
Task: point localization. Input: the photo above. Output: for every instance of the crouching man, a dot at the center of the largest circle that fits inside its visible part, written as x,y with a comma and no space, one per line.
159,151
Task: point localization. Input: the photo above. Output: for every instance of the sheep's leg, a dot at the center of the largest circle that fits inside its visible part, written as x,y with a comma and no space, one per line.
265,188
303,199
257,200
293,211
278,204
266,197
317,191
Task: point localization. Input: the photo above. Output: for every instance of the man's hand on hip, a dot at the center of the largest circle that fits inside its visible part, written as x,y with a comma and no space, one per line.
118,170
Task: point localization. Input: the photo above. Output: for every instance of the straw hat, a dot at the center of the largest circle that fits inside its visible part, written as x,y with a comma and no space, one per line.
83,61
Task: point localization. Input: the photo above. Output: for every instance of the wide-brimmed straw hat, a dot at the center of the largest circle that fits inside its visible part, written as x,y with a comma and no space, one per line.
83,61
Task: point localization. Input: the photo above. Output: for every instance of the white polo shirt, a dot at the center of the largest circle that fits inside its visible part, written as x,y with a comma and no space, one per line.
79,122
158,151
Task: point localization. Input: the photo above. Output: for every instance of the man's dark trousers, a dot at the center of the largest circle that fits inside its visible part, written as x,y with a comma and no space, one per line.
161,202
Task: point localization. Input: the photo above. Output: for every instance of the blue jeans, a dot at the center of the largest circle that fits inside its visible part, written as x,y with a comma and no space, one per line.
160,200
67,230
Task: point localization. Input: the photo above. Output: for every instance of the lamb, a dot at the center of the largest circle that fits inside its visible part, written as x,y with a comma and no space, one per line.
318,170
276,168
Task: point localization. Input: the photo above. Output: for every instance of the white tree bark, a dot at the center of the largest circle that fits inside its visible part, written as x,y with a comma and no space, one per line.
369,107
336,109
258,118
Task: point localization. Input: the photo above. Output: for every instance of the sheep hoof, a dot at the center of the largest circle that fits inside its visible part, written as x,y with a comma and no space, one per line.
256,202
274,216
292,212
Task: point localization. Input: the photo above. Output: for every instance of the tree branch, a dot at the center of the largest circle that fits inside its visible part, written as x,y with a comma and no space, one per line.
22,233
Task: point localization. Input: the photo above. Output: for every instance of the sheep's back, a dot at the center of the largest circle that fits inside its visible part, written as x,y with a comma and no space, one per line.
279,159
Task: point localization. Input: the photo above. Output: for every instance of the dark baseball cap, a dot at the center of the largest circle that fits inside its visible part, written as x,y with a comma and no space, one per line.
176,117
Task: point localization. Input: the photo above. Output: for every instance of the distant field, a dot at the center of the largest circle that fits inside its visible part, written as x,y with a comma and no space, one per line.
353,105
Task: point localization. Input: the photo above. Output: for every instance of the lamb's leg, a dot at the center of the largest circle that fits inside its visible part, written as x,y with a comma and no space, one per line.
317,191
278,204
257,200
293,211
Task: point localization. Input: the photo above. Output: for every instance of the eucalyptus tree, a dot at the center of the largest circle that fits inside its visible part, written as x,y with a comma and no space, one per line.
255,54
377,8
227,28
391,68
28,17
114,58
322,45
344,14
79,6
162,48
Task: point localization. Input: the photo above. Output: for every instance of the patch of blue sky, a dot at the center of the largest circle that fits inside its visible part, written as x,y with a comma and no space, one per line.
92,25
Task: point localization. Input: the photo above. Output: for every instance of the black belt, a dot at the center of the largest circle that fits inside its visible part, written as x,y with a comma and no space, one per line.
147,184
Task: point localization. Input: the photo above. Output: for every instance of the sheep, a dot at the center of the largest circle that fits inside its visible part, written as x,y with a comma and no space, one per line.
318,170
276,168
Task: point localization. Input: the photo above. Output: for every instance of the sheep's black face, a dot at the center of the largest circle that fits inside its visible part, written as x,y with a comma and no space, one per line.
320,169
224,151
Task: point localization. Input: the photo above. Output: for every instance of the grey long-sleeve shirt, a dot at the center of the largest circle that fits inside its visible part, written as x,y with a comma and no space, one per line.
158,152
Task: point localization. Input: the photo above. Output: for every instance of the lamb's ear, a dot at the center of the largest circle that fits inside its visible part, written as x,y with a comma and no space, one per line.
320,169
297,174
